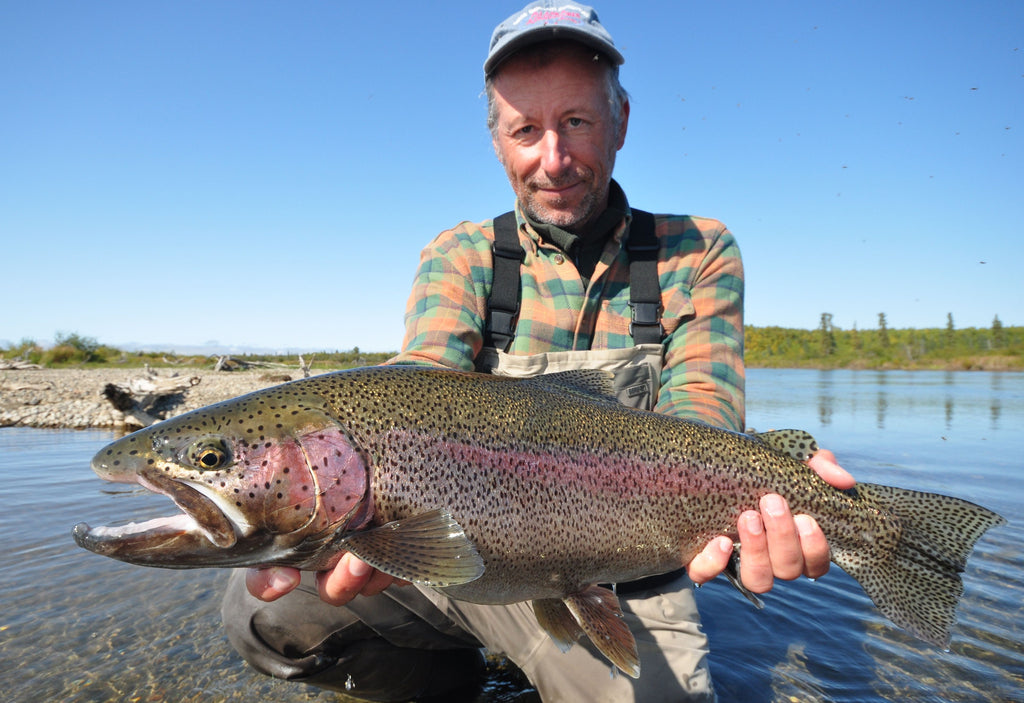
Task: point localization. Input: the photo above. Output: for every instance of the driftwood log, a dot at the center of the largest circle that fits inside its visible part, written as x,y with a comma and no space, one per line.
17,365
143,400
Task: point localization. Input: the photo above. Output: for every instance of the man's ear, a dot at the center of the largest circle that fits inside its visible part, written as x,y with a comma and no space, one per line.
624,124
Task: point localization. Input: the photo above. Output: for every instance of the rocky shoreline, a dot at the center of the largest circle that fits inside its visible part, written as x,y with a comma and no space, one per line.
73,398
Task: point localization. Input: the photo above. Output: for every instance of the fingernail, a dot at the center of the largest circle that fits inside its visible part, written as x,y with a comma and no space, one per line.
754,524
282,581
804,524
774,505
357,567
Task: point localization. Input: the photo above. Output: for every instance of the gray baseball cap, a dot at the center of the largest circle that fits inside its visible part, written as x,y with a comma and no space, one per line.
549,19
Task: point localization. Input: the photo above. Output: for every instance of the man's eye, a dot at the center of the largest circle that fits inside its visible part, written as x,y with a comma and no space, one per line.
575,121
525,130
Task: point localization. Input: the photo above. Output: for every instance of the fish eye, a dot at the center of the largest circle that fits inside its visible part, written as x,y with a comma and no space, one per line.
208,455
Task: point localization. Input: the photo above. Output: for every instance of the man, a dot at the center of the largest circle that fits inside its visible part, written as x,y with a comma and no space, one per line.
577,299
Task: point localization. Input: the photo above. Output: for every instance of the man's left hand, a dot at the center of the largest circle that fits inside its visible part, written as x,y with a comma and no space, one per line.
774,543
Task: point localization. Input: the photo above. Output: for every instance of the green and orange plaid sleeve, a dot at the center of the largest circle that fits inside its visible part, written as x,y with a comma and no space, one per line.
703,377
444,318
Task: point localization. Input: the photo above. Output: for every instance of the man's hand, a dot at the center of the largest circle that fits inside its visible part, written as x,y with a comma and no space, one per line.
351,577
774,543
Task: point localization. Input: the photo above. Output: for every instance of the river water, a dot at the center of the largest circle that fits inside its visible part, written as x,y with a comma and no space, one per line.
79,628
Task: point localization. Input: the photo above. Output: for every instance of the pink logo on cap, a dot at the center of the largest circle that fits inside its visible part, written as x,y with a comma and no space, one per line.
572,16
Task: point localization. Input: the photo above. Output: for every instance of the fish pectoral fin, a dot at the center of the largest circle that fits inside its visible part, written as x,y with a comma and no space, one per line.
597,611
556,619
430,548
732,572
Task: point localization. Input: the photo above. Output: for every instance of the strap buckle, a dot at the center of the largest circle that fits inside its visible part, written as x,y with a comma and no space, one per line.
647,315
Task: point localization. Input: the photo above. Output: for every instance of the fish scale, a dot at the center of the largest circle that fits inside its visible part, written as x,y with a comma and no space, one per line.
497,490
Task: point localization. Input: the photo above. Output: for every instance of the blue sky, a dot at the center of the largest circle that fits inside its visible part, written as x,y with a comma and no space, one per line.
264,174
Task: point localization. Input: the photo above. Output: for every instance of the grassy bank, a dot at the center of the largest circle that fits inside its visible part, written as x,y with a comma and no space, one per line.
76,351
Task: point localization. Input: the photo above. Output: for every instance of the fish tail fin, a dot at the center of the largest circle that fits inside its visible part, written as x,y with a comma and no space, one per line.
916,582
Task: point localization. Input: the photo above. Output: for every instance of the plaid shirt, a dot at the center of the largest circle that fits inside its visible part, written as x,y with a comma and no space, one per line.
701,277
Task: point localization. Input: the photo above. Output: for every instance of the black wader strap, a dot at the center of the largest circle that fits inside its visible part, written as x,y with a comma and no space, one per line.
503,304
644,287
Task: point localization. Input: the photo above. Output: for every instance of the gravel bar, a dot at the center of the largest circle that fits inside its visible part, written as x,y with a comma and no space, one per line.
73,398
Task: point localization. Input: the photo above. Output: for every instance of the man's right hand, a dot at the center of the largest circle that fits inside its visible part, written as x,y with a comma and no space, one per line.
351,577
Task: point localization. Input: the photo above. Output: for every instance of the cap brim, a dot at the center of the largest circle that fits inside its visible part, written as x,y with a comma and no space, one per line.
543,34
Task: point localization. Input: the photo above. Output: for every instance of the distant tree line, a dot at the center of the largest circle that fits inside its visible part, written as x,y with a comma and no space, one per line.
994,347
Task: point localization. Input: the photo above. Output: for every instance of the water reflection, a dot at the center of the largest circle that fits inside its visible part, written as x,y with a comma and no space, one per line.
939,400
826,399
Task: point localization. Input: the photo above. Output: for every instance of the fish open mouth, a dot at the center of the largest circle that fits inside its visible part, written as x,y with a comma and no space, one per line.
202,527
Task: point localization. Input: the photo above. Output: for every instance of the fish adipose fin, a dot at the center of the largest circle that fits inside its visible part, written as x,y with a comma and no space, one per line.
917,584
795,443
430,548
595,612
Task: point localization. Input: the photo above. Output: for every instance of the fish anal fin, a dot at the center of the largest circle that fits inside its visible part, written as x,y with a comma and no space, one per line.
597,611
732,572
430,548
557,620
795,443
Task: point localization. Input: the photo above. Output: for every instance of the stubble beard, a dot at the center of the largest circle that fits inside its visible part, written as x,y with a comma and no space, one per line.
585,212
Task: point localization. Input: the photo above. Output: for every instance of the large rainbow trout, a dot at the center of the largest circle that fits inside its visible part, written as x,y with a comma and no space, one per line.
497,490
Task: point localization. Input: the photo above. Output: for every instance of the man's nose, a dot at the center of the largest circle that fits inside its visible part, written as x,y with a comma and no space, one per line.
555,156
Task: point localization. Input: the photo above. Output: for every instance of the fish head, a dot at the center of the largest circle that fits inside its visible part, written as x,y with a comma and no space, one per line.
268,478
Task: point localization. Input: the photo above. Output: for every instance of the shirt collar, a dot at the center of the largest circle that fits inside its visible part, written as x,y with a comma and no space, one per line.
608,224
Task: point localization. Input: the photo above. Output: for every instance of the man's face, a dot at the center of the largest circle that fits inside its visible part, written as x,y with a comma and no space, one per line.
556,136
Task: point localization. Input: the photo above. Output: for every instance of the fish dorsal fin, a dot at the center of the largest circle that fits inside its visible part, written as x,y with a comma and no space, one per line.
795,443
430,548
595,612
595,383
